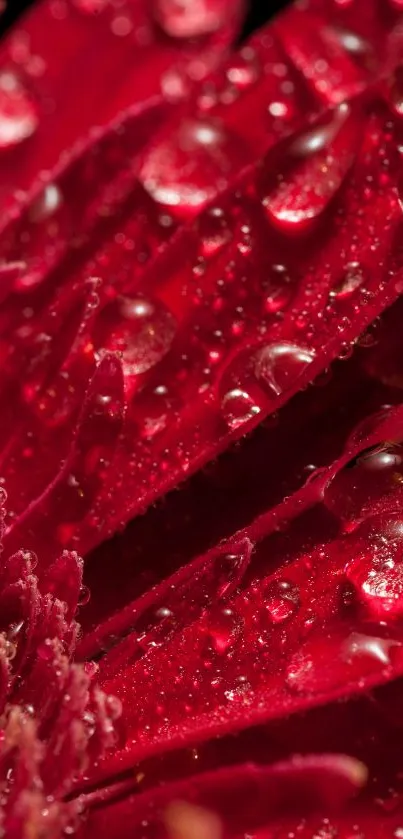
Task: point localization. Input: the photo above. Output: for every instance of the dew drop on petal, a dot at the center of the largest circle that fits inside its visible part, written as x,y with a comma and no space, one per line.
141,329
372,475
231,566
243,71
367,427
351,280
376,567
329,663
238,407
282,600
214,231
255,379
279,365
185,170
278,290
84,596
300,184
18,113
47,202
223,629
352,42
190,18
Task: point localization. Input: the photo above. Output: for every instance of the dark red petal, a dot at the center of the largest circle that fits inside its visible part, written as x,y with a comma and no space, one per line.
75,490
240,798
174,603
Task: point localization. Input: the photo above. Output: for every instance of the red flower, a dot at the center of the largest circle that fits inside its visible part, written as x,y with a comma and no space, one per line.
203,294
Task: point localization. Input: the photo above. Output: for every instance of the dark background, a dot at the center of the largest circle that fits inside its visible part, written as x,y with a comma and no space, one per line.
259,12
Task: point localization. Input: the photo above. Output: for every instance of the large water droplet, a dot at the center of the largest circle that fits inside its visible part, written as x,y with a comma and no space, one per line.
238,407
365,480
281,600
223,629
279,366
327,664
243,70
376,569
255,379
351,280
187,168
190,18
18,112
303,181
215,232
141,329
278,290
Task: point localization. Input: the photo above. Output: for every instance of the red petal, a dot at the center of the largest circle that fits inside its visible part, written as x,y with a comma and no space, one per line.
75,490
241,798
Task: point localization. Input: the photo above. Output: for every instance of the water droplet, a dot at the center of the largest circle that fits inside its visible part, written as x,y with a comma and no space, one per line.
280,365
18,113
365,480
352,42
376,569
329,663
301,183
255,379
223,629
214,231
278,291
190,18
238,407
84,596
187,168
230,567
46,203
352,279
243,70
141,329
367,427
281,600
